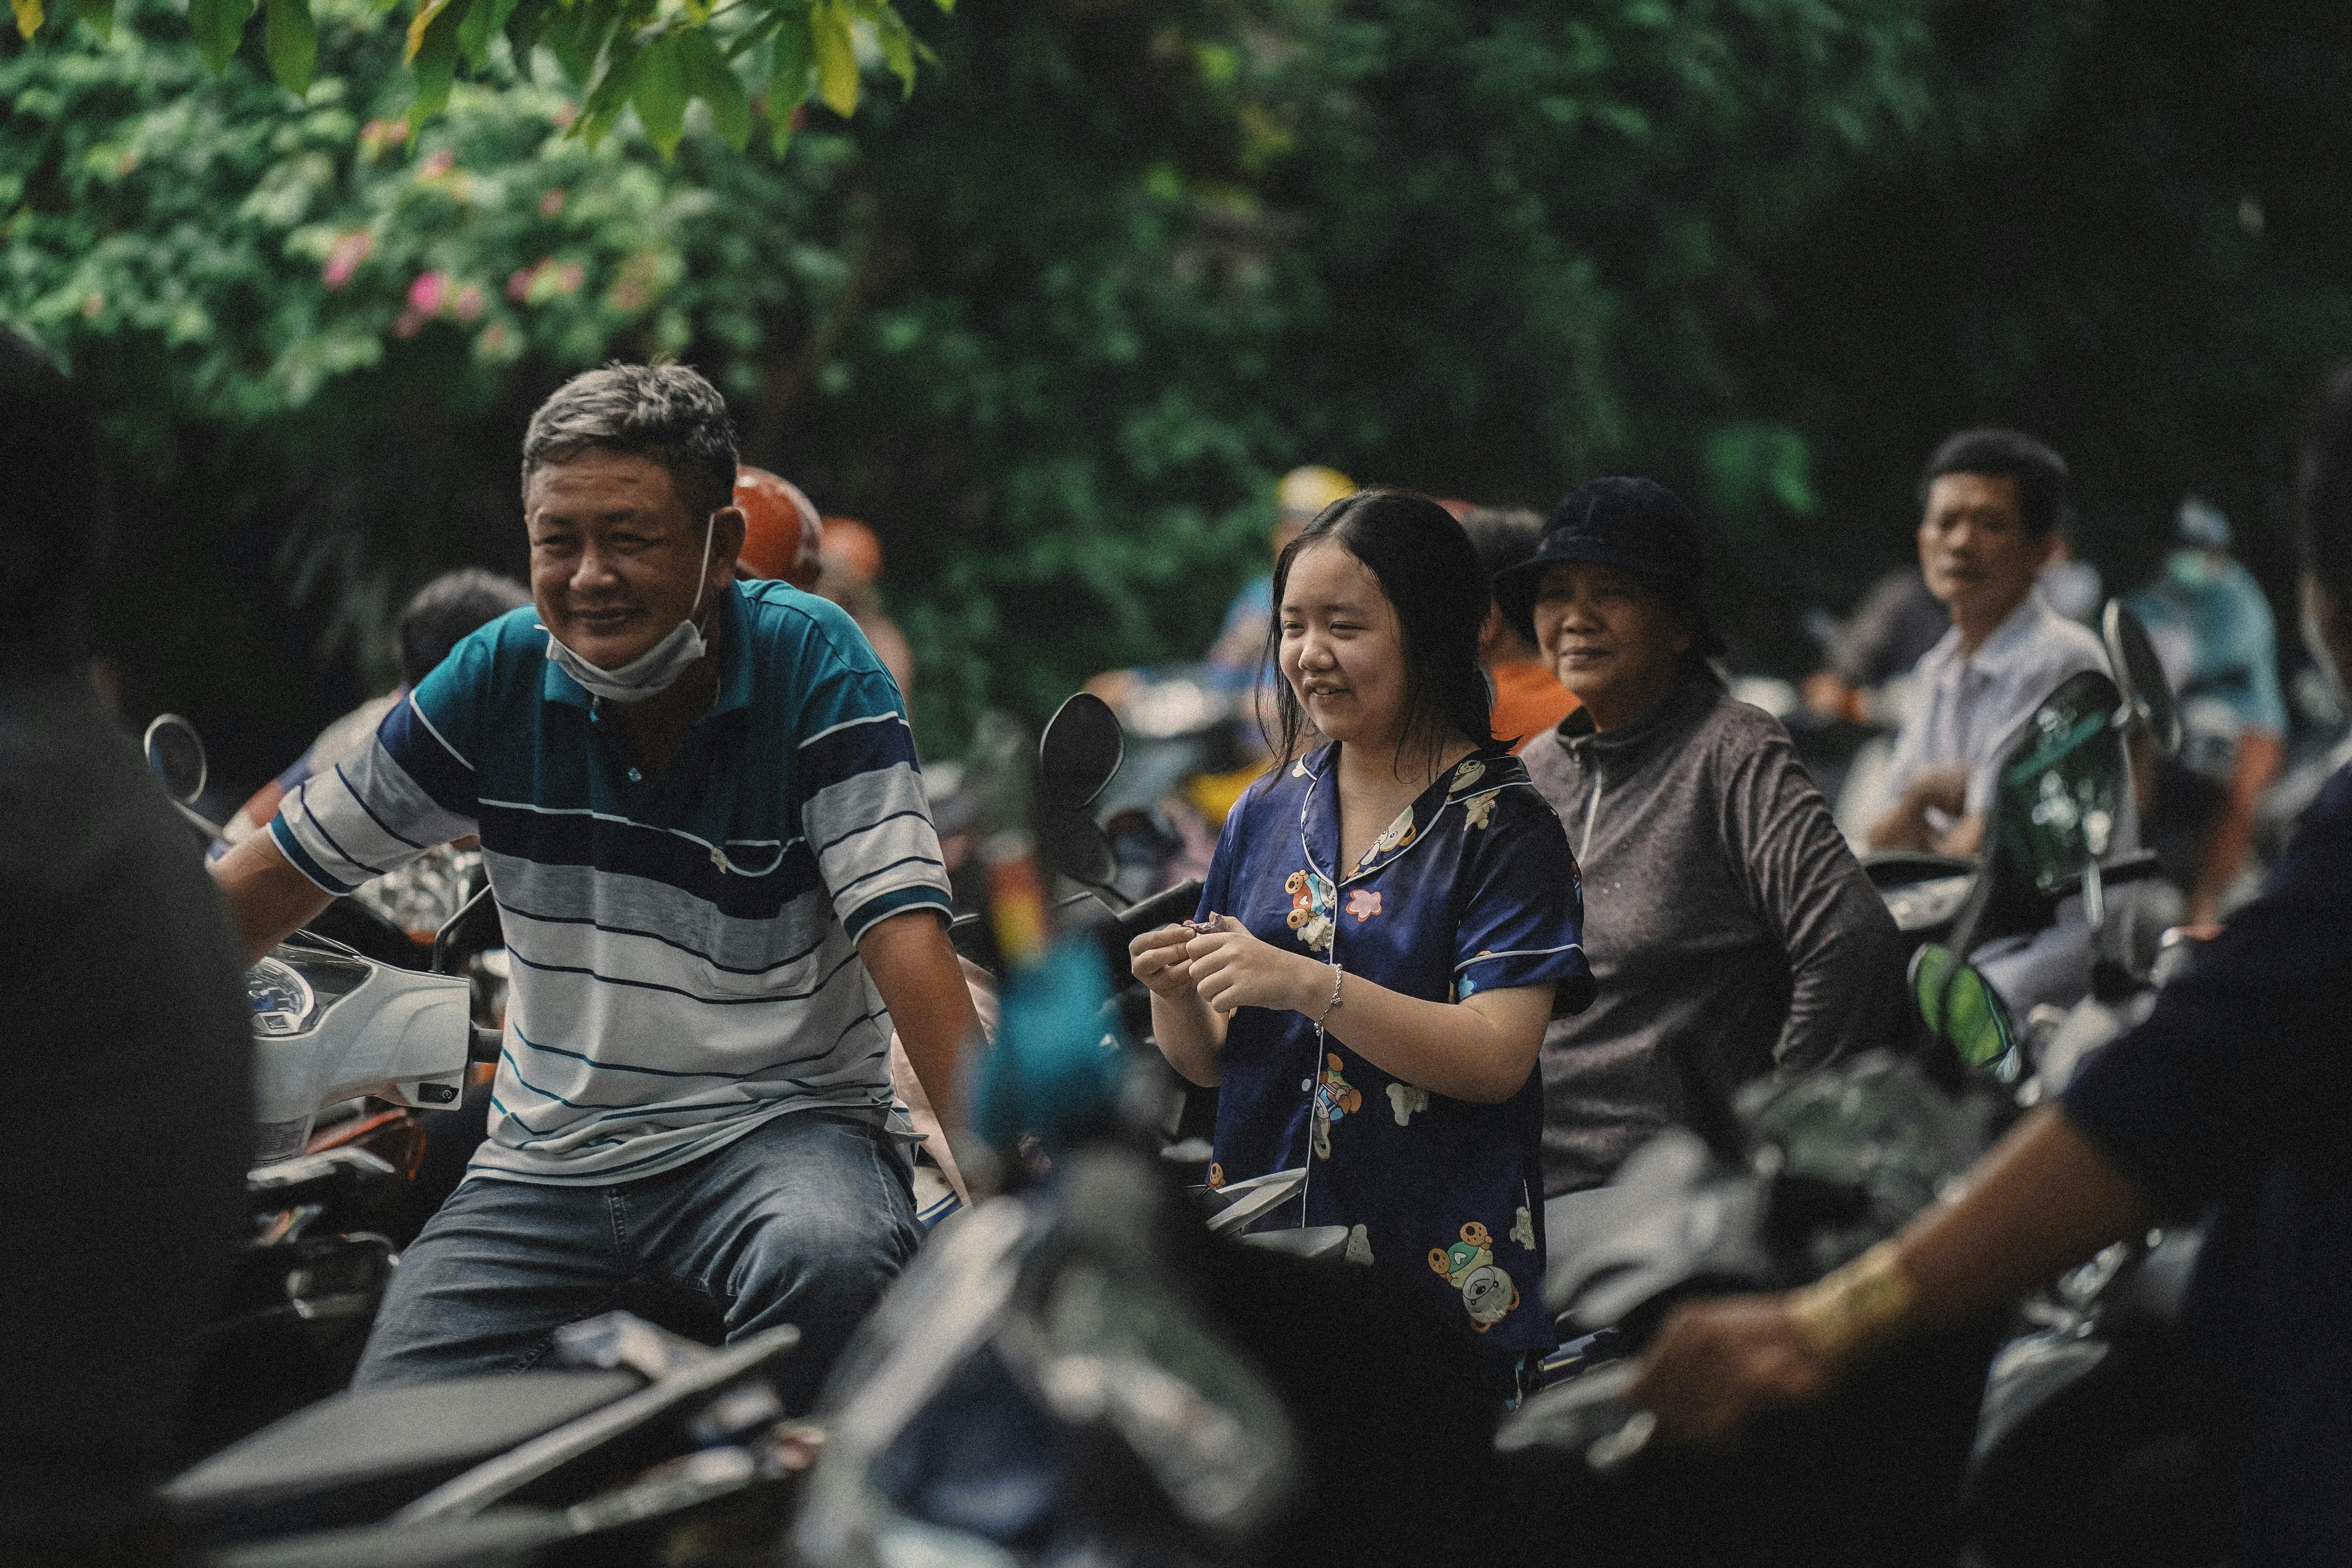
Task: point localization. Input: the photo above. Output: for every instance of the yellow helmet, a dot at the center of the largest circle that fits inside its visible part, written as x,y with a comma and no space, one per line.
1308,491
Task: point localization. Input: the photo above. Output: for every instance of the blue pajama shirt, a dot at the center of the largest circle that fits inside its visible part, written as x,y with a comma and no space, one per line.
1472,889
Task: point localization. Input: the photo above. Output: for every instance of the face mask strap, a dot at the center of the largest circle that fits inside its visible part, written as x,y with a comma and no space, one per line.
702,578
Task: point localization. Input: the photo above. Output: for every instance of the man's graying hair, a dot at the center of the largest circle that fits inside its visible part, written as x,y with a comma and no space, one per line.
669,413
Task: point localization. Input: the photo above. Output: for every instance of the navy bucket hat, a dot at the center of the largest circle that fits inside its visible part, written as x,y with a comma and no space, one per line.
1636,525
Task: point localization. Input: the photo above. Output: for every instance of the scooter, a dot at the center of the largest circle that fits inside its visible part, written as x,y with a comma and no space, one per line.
1929,894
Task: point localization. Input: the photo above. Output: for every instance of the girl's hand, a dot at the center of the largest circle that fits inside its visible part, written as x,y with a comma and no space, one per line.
1231,968
1156,960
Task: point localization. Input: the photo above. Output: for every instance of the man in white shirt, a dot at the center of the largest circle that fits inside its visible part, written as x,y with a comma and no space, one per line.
1990,525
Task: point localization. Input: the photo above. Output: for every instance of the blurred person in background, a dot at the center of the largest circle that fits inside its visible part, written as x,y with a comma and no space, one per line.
126,1041
1528,698
2229,1102
435,620
420,897
852,565
1991,501
1729,929
2212,628
1235,660
784,538
1897,621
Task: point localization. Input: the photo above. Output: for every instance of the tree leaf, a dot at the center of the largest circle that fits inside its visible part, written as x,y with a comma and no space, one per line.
659,96
611,94
898,45
577,33
427,13
837,57
433,59
482,24
709,78
788,81
28,17
290,35
525,23
219,26
99,14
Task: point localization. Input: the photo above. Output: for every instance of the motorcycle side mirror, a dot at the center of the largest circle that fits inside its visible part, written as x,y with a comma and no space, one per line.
2146,690
1076,846
175,754
1081,748
2059,791
1960,1008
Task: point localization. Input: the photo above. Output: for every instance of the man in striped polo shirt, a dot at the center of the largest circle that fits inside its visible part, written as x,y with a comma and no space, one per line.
699,809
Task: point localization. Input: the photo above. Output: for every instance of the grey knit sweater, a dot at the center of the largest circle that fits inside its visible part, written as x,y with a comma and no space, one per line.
1729,927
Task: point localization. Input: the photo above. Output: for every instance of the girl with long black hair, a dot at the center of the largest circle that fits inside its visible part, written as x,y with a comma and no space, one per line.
1390,918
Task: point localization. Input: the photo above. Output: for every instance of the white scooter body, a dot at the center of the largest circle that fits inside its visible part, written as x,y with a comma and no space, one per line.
330,1025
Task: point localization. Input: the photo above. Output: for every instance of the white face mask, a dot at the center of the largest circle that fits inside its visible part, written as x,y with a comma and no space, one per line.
657,669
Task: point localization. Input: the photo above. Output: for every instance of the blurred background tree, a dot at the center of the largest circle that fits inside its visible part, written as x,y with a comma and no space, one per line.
1053,323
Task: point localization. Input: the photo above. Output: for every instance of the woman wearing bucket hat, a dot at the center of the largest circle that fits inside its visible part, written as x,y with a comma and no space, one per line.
1729,928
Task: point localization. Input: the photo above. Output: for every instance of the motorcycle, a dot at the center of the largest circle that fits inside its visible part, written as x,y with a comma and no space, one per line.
1930,895
2057,1438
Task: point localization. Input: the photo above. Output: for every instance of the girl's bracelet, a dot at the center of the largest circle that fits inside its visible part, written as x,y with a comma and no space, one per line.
1339,976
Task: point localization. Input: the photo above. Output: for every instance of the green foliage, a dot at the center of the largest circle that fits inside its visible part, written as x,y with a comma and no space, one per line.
649,54
1054,323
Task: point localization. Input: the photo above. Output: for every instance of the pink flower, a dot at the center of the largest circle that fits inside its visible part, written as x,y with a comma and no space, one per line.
424,295
344,259
406,327
494,337
468,306
569,279
437,165
520,280
552,203
627,295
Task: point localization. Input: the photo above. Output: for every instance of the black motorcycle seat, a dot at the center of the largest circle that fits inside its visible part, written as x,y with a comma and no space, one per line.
359,1454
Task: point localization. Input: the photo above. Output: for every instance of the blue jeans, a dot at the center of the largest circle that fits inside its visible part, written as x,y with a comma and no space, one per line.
805,1220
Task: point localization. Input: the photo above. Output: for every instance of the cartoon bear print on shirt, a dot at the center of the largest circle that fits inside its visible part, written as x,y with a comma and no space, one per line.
1479,809
1335,1100
1310,909
1488,1294
1404,1099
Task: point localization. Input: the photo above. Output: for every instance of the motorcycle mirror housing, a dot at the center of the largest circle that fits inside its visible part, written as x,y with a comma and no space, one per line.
1959,1007
2139,675
1081,748
2058,796
175,754
1076,846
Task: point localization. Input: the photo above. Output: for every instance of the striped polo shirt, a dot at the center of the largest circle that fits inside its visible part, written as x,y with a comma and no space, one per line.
683,943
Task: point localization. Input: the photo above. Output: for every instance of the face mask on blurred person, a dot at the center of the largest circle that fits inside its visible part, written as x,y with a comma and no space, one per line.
657,669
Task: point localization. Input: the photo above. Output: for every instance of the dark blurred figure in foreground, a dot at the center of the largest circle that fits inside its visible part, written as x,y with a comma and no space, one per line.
1528,698
2229,1100
2213,630
125,1043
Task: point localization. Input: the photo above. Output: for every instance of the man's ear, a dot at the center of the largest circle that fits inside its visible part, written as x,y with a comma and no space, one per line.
726,541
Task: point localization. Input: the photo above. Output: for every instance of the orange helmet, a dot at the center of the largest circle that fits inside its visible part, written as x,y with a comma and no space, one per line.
852,546
783,535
